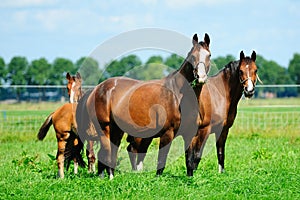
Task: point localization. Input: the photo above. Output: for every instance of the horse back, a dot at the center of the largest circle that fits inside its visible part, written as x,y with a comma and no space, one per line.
64,118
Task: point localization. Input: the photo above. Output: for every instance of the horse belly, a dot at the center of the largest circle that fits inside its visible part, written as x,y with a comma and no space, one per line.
145,112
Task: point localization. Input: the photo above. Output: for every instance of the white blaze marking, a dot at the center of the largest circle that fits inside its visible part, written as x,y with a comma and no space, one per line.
249,82
72,93
201,71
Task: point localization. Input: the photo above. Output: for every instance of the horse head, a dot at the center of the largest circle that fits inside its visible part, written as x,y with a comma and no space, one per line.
74,87
248,73
200,58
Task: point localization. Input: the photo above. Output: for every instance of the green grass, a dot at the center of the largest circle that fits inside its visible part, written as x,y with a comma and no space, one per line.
260,164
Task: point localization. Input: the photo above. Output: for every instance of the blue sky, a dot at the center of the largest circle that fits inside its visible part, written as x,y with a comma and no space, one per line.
72,29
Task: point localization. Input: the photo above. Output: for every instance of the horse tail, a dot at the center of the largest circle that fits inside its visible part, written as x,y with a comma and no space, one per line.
45,127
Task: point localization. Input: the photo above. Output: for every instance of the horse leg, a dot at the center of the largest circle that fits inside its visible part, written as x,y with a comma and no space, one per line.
104,154
220,144
60,157
164,147
91,156
194,152
74,159
115,138
142,150
132,150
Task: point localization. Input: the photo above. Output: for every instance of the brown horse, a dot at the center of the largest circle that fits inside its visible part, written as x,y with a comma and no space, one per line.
158,108
74,87
64,123
218,106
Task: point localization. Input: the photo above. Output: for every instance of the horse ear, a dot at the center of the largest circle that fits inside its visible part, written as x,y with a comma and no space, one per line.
195,39
207,39
68,76
78,76
253,56
242,55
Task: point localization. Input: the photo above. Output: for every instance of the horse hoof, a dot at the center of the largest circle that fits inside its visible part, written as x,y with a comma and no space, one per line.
140,166
190,172
111,177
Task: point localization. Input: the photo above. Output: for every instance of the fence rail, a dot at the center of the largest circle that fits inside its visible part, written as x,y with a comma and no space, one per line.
59,92
255,121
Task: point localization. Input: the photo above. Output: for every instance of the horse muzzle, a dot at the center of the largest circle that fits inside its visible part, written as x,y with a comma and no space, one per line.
202,79
247,93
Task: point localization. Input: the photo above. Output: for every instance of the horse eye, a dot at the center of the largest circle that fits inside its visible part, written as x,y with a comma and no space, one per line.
241,72
255,71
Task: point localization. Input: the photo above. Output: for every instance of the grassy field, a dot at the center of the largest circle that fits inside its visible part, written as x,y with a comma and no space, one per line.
260,164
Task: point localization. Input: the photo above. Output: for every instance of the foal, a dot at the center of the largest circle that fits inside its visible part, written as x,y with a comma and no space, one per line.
65,126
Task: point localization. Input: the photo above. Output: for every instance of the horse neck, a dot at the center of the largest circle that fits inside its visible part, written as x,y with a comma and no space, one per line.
183,74
186,70
79,96
232,83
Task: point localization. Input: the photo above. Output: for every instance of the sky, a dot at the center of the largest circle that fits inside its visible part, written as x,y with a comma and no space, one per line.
74,28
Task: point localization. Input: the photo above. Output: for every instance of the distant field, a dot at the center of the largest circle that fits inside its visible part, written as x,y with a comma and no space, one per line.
262,162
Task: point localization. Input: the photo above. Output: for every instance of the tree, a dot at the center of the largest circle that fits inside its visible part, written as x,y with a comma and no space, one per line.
59,68
3,71
174,62
17,70
155,59
38,72
153,69
16,73
120,68
89,70
272,73
220,62
294,69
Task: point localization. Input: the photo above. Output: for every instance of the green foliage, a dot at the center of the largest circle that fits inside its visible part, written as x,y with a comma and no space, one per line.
155,59
89,70
38,72
27,169
59,68
220,61
3,70
17,69
174,61
294,69
120,68
259,165
149,71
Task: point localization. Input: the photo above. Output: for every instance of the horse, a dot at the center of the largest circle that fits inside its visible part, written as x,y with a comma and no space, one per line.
146,108
74,87
65,126
218,105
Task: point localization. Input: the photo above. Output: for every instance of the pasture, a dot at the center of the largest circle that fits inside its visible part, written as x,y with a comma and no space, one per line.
262,160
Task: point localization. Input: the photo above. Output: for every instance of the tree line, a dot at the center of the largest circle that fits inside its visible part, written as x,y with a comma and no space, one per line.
19,71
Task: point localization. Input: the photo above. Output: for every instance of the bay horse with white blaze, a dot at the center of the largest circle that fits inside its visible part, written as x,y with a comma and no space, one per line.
218,102
159,108
64,123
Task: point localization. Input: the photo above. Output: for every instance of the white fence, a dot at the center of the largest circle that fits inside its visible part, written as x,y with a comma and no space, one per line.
254,121
58,92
